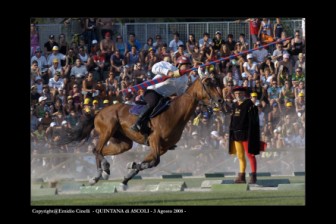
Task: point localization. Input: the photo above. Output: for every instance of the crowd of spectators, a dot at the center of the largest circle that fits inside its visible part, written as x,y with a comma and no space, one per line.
65,77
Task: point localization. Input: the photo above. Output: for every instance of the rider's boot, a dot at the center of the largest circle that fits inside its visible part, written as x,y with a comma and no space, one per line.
142,116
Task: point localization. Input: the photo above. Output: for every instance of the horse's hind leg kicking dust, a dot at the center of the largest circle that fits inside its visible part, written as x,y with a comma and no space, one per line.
151,160
118,144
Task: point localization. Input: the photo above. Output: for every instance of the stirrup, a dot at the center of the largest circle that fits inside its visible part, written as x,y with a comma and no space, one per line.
135,127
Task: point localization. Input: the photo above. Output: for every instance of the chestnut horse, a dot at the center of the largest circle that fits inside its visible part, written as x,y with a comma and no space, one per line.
113,125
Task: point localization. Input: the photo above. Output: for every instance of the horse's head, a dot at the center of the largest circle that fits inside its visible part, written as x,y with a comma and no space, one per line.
210,93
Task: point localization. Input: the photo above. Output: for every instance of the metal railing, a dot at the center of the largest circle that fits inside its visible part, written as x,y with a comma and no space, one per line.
145,30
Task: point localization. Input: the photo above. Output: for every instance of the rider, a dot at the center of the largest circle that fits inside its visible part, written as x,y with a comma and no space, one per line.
176,84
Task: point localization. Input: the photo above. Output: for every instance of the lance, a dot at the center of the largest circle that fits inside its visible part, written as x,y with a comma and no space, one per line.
145,84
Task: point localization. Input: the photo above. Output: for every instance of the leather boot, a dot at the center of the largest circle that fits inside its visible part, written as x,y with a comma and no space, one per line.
142,116
240,179
253,178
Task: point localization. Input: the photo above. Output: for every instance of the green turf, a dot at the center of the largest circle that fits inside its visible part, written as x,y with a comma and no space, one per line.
178,198
261,197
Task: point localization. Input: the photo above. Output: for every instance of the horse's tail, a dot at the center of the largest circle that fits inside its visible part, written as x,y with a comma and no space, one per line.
84,129
81,131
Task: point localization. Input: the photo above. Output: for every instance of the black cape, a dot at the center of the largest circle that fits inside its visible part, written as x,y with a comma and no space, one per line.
251,126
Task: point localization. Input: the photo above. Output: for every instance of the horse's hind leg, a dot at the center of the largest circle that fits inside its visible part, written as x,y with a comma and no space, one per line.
105,131
151,160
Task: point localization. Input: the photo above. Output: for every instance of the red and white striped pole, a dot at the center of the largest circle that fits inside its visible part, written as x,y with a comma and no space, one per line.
145,84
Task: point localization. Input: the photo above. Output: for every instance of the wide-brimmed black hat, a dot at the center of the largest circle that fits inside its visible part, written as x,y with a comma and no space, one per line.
239,88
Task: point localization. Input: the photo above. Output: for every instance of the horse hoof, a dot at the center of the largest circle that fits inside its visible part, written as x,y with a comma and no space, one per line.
130,165
93,181
105,175
123,187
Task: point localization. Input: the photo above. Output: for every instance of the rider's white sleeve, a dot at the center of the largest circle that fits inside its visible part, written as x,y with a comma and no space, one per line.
162,68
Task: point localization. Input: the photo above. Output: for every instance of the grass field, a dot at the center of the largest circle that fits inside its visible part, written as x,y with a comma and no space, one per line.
184,198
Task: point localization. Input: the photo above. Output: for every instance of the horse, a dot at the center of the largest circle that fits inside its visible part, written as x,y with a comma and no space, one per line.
113,125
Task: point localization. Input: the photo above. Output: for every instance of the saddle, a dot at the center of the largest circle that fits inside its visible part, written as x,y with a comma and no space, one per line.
137,109
162,105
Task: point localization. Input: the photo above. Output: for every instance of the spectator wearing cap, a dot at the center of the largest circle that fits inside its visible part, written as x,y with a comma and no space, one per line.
39,84
55,69
284,63
41,61
250,68
300,104
121,45
173,44
218,41
68,106
34,39
290,109
56,55
106,103
253,97
95,105
48,46
94,48
132,41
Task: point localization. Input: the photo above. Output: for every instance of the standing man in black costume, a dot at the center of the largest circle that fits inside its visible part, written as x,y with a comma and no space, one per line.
244,134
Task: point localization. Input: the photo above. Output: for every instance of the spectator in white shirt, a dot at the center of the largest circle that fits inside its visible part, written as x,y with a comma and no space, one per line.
173,45
56,82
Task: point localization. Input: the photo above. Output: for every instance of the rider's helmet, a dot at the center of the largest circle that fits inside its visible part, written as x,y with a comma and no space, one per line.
182,60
